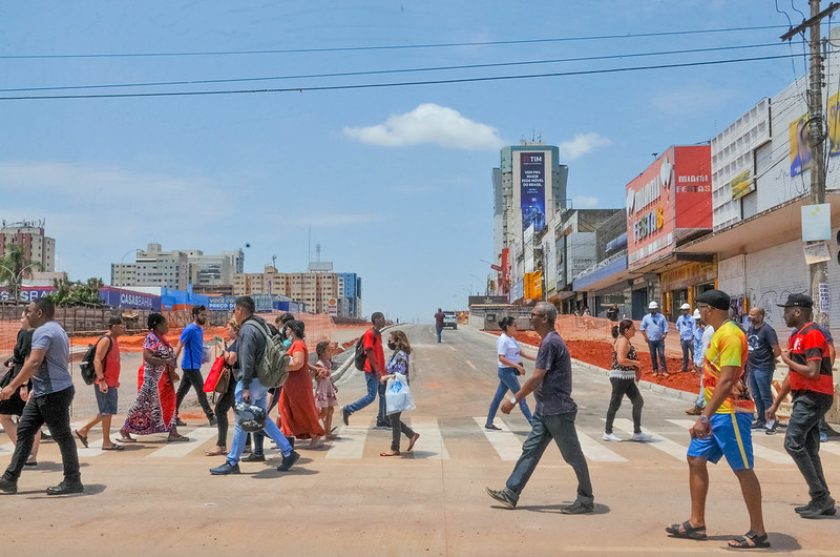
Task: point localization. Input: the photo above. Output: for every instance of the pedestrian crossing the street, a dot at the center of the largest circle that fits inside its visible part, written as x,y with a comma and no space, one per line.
669,443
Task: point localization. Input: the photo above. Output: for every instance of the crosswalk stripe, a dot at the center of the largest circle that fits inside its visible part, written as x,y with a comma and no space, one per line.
506,444
350,444
472,365
659,443
430,445
829,448
595,451
183,448
764,453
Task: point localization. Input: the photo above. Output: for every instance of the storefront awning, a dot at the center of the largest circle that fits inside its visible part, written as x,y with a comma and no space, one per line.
764,230
603,277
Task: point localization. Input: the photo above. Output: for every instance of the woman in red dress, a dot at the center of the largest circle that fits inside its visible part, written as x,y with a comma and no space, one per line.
298,413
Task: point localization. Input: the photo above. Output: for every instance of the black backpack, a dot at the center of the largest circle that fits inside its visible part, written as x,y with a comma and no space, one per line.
86,366
360,357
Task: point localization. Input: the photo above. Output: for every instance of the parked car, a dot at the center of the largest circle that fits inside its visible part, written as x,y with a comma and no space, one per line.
450,320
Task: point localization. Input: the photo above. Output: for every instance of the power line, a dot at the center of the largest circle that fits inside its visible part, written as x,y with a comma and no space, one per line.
301,89
390,47
392,71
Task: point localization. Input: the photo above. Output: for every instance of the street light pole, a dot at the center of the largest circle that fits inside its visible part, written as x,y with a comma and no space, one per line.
17,277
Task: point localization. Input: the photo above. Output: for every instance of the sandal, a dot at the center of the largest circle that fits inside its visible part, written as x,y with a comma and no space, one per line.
177,438
750,540
82,438
126,437
687,531
390,453
218,451
114,447
413,440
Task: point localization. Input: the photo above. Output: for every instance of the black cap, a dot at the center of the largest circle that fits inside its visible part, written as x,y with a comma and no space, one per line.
798,301
717,299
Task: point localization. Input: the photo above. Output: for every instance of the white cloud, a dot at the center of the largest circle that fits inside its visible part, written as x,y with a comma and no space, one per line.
581,144
429,124
585,202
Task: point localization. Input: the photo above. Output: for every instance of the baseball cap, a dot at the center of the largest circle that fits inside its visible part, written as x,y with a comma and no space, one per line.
798,301
717,299
696,314
685,306
653,305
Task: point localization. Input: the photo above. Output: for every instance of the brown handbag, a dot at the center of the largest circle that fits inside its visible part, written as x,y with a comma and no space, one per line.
223,383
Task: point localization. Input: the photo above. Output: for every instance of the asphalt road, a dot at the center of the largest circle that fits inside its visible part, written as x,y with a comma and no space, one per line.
347,500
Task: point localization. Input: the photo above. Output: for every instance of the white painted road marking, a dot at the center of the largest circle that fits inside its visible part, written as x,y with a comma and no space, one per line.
472,365
660,443
764,453
430,446
351,442
595,451
506,444
183,448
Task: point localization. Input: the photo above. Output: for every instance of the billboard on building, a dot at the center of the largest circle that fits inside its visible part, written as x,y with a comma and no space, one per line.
26,293
673,195
800,149
532,189
129,299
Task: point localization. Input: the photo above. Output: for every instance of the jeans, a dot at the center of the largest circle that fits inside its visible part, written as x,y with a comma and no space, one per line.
372,382
621,387
398,426
802,440
258,398
192,378
54,410
688,353
760,381
701,400
561,428
259,438
507,382
657,348
381,417
439,333
223,404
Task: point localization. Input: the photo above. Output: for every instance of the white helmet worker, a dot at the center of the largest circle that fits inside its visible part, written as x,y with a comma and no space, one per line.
685,306
653,305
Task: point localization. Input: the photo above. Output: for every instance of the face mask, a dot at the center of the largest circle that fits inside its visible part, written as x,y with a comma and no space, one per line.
287,342
392,345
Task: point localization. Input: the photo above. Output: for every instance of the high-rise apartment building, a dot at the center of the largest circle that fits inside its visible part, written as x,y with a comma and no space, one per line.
178,269
37,247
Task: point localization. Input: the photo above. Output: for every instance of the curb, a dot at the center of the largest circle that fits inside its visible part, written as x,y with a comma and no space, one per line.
643,385
342,369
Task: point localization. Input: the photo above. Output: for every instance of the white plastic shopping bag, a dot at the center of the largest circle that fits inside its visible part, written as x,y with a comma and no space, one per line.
398,395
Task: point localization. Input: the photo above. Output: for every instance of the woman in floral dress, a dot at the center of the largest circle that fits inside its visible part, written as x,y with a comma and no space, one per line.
148,415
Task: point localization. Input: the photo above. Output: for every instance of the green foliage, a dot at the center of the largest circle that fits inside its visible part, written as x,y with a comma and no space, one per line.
13,267
69,293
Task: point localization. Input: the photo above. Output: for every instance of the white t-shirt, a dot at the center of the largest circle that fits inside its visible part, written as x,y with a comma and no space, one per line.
507,347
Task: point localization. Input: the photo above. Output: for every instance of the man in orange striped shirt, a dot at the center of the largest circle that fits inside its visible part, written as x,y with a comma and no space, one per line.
723,428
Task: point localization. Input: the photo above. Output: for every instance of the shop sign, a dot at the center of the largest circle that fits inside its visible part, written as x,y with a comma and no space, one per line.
688,275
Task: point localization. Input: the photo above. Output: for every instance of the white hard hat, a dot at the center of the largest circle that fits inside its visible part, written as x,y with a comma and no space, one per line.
696,314
653,305
685,306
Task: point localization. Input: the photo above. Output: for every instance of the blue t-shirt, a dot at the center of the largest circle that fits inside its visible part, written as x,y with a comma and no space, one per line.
655,326
54,374
192,339
685,325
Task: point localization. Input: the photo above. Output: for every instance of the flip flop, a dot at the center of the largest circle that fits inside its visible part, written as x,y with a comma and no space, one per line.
126,437
411,443
114,447
687,531
216,452
177,439
82,438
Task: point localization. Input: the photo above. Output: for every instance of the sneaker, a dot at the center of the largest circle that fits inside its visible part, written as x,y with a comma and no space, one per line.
503,496
772,429
225,469
66,488
345,416
818,509
288,461
694,411
610,437
492,427
179,421
7,486
642,437
254,457
758,425
578,508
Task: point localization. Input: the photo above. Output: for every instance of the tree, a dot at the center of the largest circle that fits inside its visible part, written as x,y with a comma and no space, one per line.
69,293
13,267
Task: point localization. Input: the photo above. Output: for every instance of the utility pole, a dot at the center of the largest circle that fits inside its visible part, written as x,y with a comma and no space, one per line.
816,127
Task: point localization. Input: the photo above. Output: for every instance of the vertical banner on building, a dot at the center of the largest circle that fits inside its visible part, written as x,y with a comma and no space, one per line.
532,190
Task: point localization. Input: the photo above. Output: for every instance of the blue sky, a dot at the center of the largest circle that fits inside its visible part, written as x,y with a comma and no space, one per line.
395,182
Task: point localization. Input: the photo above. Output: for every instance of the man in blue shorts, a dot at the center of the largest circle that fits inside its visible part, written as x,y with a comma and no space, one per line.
723,428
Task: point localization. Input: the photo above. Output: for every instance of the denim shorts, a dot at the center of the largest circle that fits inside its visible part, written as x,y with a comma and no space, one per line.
107,401
731,437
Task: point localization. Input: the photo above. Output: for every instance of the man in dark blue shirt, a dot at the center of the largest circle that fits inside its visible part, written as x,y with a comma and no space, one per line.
554,417
761,365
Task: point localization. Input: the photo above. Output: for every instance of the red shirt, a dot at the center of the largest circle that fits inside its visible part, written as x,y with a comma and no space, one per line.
372,340
808,344
111,364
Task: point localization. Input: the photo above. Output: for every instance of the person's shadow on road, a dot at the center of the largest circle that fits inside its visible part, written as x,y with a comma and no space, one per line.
557,508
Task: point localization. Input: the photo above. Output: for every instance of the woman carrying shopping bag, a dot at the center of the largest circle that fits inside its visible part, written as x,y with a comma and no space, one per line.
398,394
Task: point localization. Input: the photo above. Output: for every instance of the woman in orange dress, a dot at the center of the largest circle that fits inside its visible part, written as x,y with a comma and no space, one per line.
298,413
